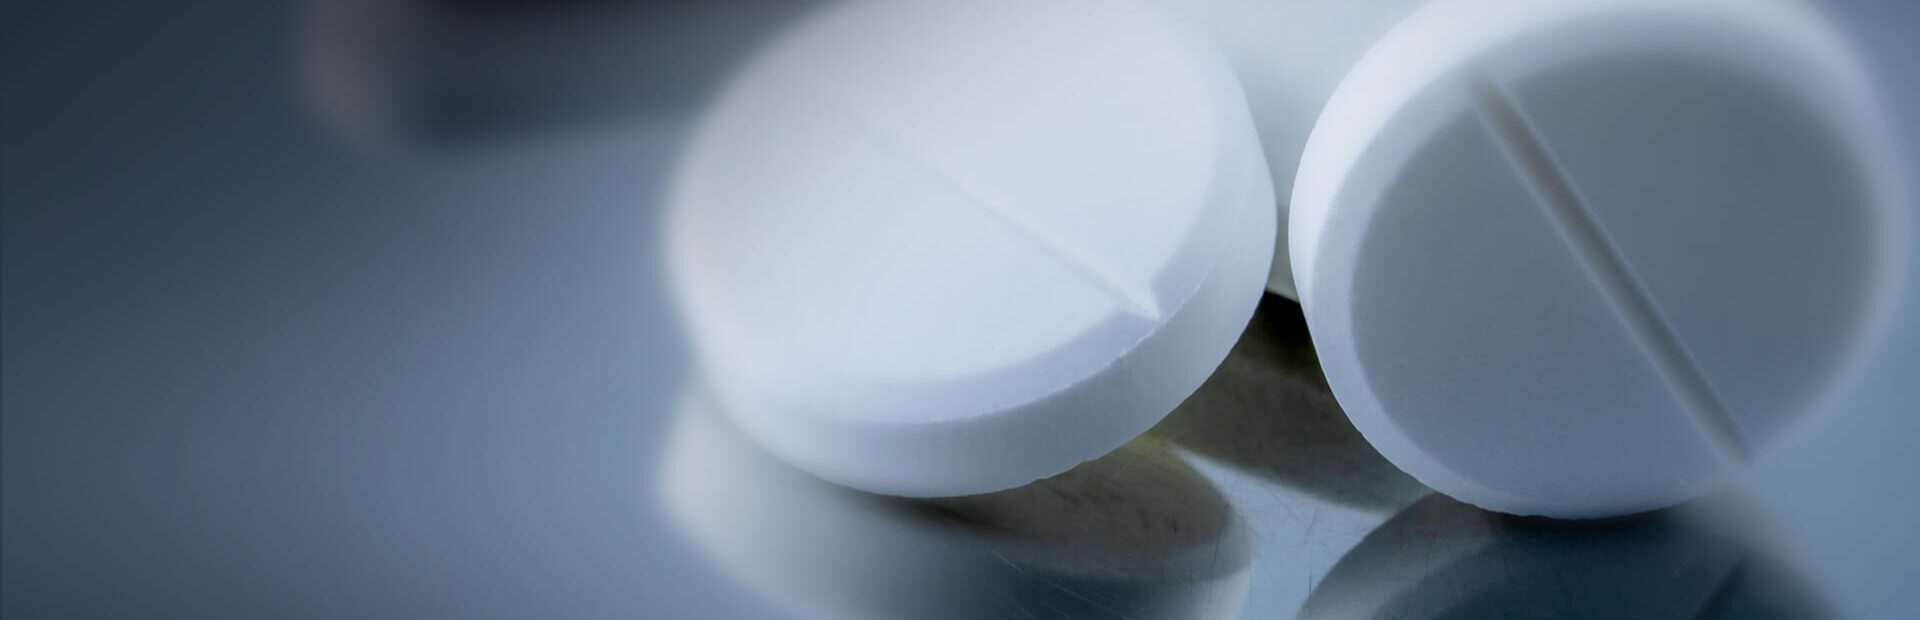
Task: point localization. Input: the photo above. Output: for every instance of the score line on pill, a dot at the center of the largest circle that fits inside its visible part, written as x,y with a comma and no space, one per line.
1582,258
936,249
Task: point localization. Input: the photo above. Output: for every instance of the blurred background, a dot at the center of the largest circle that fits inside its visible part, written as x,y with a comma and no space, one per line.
354,308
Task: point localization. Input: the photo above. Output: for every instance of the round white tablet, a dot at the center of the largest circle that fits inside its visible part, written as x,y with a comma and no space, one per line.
1587,257
936,248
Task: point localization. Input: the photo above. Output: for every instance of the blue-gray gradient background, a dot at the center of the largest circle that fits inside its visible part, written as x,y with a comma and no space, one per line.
264,358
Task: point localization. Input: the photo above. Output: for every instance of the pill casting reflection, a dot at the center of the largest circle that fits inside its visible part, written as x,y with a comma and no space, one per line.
1135,534
936,249
1268,411
1713,560
1577,258
1541,245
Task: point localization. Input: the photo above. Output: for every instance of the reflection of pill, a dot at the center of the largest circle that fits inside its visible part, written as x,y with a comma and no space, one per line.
1267,411
1135,530
1586,258
1710,560
934,248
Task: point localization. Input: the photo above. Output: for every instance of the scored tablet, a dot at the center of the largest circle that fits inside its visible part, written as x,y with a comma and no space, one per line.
1581,258
932,248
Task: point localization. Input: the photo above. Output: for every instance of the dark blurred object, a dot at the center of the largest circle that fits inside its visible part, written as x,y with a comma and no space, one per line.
448,73
1444,559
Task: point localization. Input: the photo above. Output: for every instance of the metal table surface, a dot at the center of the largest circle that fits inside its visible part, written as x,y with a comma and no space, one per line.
273,352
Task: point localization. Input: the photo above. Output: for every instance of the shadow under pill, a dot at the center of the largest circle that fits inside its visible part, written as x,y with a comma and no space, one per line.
1708,560
1268,411
1135,534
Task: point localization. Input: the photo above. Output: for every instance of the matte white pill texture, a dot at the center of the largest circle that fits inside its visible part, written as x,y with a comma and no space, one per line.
943,248
1585,258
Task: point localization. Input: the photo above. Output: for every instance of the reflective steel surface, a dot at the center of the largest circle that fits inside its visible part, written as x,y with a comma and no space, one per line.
291,333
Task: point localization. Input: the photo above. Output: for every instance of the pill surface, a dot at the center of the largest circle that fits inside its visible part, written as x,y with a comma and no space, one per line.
934,249
1587,258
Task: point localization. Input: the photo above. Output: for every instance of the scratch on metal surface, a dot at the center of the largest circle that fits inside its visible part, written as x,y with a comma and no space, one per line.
1016,567
1097,604
1718,599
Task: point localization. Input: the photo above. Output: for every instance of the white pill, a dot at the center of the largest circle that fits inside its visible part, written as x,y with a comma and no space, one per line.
1587,257
937,248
